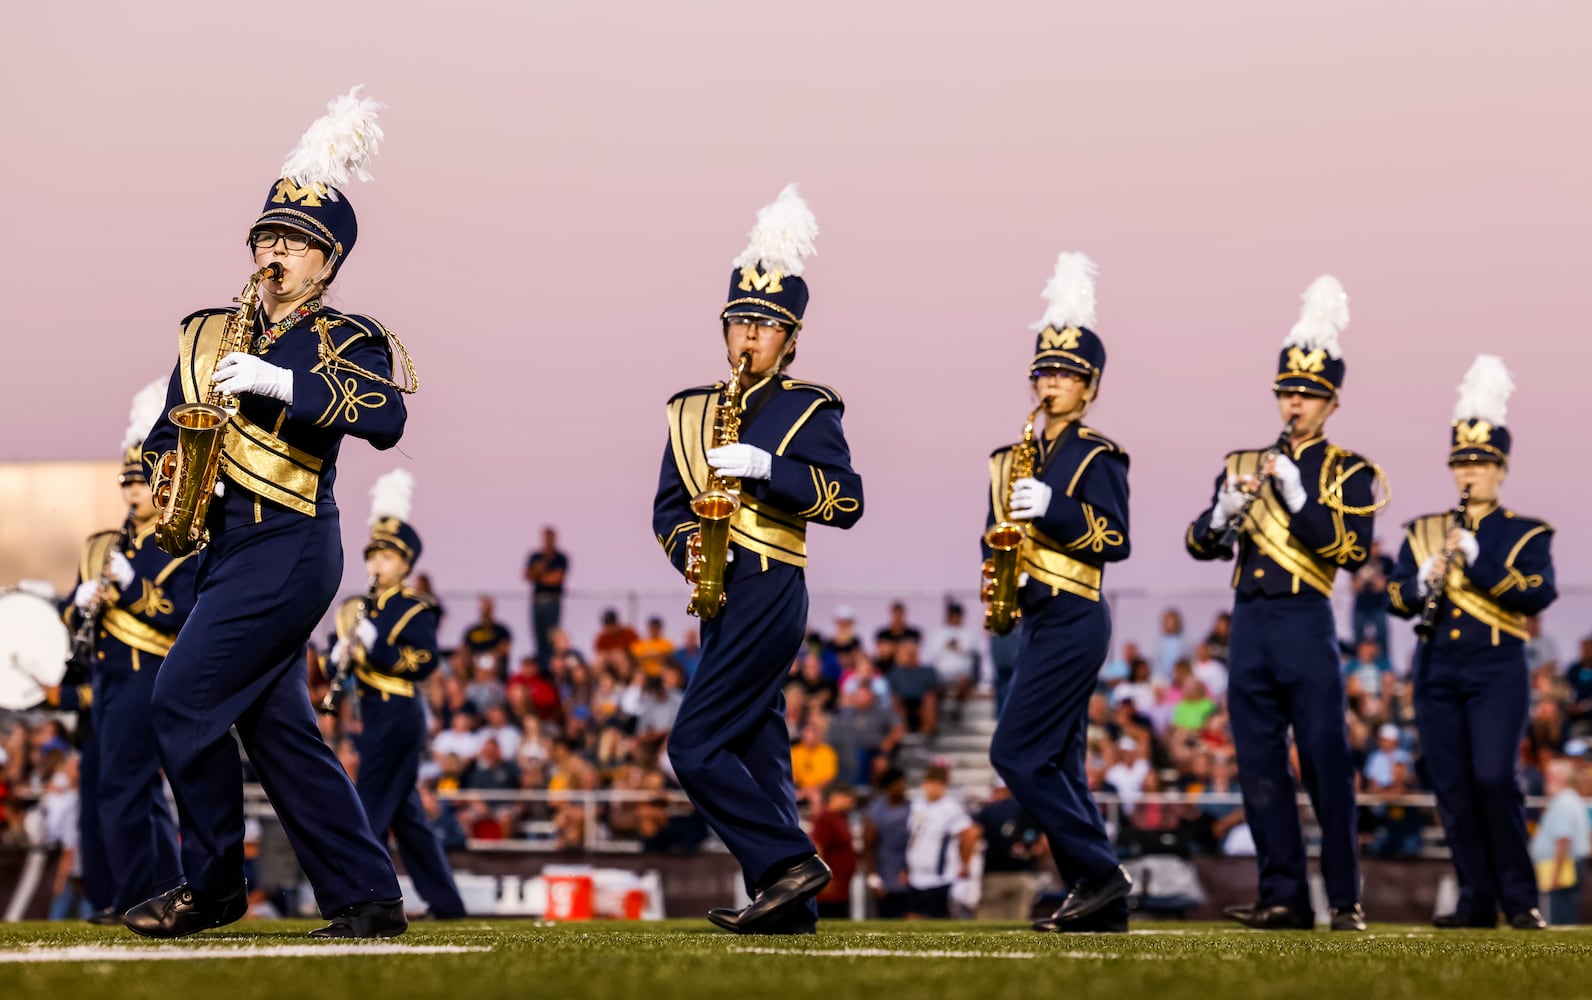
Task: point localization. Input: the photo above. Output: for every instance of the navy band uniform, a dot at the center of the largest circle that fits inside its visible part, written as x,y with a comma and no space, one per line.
1472,684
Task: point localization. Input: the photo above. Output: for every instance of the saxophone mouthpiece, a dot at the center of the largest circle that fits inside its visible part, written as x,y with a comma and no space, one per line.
273,271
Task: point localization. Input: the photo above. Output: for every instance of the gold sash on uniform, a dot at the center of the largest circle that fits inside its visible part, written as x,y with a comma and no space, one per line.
1044,559
1428,537
1269,521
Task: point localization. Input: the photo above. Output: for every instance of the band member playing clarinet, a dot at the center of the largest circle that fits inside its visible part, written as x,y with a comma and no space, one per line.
1065,491
300,378
749,464
1472,577
1300,512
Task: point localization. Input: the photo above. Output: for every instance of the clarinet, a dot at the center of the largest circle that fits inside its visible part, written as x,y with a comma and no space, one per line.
343,673
83,638
1235,524
1427,626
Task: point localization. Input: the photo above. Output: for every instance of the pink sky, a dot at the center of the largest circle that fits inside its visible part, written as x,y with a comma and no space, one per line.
564,185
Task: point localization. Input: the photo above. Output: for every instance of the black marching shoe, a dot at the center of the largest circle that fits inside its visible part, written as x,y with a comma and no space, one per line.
1458,919
781,903
1094,923
1348,918
1090,894
1528,920
180,911
1272,918
382,918
108,917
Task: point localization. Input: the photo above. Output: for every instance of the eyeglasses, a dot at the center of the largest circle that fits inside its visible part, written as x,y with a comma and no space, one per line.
762,324
266,239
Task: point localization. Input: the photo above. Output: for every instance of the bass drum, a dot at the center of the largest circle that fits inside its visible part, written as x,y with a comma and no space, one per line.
34,646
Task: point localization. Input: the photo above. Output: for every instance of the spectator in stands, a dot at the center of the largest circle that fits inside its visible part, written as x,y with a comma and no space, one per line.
886,830
651,652
1368,672
498,728
1211,671
1195,707
916,688
1396,827
689,653
1380,763
813,762
1370,597
1173,645
1560,846
488,640
1578,676
1540,648
545,570
842,643
1138,690
491,771
459,740
1013,845
442,819
59,809
859,671
865,733
943,839
891,636
614,640
1220,637
953,652
831,835
821,692
1127,775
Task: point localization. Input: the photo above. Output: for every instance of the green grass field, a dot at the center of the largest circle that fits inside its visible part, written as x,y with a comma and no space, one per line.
686,959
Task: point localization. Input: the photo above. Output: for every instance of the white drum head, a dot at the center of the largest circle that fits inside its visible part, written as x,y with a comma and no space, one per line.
34,646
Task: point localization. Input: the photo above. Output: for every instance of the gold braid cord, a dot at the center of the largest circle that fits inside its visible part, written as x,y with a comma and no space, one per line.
335,362
1333,477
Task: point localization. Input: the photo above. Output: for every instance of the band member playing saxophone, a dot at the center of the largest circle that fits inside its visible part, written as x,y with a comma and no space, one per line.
1311,518
767,453
1067,488
1474,576
296,380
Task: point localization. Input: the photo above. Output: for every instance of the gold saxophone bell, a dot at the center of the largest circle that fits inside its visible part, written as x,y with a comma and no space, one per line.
187,476
1003,569
708,551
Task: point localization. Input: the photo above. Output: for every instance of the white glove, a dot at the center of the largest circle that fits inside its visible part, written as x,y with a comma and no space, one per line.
84,595
120,570
1229,501
1467,545
741,461
239,373
1030,499
365,633
339,654
221,488
1424,576
1290,487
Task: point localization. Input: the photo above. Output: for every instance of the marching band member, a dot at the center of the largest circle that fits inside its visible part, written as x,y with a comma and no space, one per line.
1068,490
310,377
1472,578
787,450
1299,512
392,647
133,622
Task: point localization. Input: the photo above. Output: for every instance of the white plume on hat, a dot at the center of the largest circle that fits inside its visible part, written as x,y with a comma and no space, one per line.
148,405
1322,317
1069,294
782,238
392,496
338,145
1484,394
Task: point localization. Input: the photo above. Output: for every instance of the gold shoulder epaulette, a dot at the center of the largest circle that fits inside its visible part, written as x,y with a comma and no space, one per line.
822,390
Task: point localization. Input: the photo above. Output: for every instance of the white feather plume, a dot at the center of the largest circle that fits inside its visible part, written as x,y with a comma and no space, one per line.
1070,294
392,496
338,145
147,408
783,237
1322,317
1484,394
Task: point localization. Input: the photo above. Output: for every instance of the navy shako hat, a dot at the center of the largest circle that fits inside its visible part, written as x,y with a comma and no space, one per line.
1312,360
766,279
1478,433
1065,339
148,406
308,196
391,501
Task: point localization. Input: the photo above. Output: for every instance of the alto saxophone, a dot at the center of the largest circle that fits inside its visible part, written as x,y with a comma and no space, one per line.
708,551
186,479
1005,539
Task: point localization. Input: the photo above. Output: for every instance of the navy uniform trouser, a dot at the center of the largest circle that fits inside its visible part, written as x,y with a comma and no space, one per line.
139,833
1471,712
99,888
1285,671
391,740
729,745
239,662
1041,740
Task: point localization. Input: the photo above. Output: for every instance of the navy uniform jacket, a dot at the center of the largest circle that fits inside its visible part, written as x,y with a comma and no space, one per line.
1086,525
811,479
1280,552
141,621
1487,602
405,651
288,454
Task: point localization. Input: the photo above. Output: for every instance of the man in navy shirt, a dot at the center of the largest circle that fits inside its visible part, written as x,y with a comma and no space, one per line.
545,570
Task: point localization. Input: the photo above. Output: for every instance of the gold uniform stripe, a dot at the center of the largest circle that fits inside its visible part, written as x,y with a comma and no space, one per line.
1428,536
135,633
1269,528
385,684
1042,557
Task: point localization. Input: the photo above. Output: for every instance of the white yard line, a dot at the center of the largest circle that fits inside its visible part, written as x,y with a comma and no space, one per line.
181,953
891,953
